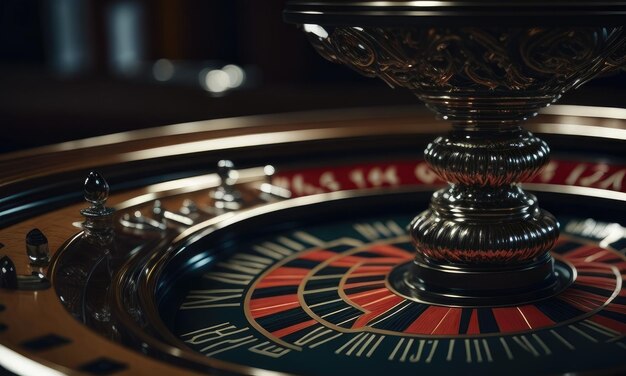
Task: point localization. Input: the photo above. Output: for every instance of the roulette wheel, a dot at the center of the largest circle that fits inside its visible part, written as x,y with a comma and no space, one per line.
329,243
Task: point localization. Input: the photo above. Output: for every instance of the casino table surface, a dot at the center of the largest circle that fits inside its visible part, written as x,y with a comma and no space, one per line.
278,264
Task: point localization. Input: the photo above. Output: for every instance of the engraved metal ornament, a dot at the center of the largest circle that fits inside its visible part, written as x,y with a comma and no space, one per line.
484,218
485,81
98,224
507,72
476,158
466,225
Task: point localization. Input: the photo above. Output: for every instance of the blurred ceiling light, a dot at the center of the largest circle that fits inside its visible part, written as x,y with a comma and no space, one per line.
215,81
269,170
236,75
163,70
125,32
70,37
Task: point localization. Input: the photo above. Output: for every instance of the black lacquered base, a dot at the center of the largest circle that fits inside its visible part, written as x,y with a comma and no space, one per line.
459,286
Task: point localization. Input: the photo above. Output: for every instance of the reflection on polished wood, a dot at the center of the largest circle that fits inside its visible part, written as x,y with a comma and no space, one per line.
145,144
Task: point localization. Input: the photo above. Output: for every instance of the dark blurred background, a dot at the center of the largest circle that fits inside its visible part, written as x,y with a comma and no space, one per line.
71,69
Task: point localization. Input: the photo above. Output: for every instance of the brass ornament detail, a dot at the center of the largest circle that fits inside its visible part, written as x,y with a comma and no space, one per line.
484,217
473,158
485,80
472,60
509,228
495,75
482,240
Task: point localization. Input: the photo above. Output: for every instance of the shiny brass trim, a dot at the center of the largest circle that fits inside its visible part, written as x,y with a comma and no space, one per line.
398,120
576,190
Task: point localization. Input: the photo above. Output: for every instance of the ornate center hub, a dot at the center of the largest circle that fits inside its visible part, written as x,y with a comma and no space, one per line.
482,240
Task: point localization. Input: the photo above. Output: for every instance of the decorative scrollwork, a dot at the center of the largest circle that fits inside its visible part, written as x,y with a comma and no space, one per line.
367,55
472,60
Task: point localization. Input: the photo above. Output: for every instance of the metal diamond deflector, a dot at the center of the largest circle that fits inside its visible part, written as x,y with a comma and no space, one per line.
103,366
46,342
